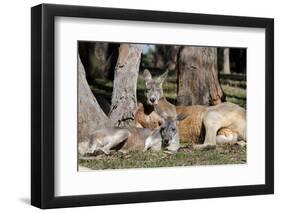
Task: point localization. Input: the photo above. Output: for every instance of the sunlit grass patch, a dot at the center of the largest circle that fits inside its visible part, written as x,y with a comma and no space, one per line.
224,154
235,95
234,91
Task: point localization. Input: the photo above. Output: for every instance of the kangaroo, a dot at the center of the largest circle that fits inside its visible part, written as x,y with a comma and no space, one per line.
146,116
207,126
142,139
166,136
204,126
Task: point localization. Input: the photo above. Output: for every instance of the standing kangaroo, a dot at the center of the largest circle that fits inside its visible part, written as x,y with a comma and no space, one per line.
206,126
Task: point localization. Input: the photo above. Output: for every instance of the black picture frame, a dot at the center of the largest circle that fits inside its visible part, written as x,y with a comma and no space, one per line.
43,105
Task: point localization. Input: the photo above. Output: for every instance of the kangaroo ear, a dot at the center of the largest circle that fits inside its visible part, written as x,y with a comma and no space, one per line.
147,75
181,117
162,77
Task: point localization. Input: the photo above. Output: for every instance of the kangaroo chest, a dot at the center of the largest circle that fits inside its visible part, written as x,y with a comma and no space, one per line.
147,118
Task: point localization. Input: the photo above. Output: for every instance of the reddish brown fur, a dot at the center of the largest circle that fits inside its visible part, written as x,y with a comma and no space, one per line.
226,132
191,129
146,117
136,139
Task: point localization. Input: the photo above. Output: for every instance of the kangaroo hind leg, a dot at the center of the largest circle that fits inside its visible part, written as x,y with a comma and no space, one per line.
212,123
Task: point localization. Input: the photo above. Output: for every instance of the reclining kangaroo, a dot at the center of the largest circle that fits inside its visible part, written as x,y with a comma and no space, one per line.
222,123
143,139
206,126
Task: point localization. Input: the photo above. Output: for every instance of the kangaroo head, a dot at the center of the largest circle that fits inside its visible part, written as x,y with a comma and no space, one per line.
169,129
154,89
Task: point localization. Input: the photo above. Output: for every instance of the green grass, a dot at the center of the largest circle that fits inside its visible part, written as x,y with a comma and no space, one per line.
224,154
235,95
234,91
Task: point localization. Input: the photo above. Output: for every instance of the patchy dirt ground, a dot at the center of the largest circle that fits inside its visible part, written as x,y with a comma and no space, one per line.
186,156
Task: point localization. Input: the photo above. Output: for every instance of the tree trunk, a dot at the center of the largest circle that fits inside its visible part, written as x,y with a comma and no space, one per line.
99,59
172,56
90,115
166,56
159,57
226,65
124,97
198,77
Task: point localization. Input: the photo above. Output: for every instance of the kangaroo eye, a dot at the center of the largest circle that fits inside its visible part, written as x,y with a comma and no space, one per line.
173,129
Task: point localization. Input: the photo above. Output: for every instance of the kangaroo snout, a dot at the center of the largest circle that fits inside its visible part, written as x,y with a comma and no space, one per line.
152,99
166,142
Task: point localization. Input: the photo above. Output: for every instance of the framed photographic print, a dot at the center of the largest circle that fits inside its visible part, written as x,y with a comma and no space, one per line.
139,106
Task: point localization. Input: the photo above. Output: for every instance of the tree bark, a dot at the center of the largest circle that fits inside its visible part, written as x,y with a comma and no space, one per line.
90,115
198,77
226,65
166,56
124,97
159,57
172,56
99,59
